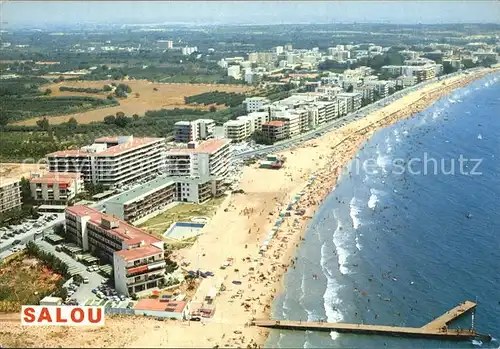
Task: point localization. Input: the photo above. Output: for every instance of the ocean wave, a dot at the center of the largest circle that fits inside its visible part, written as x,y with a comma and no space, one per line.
358,244
331,303
354,211
372,202
278,343
339,240
383,161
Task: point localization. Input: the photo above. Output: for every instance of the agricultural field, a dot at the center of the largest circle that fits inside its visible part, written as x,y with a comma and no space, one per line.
25,280
230,99
145,96
30,107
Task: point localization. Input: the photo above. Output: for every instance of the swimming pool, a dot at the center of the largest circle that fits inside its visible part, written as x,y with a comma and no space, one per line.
184,230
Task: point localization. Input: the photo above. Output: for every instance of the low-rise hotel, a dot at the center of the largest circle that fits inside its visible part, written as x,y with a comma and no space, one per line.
137,257
153,197
56,188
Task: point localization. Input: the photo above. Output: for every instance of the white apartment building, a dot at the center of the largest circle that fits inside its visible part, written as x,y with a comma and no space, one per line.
10,195
381,86
244,126
189,50
236,130
113,161
189,131
151,198
234,71
56,188
292,122
367,93
329,91
330,110
137,257
210,158
279,50
342,106
406,81
254,104
351,99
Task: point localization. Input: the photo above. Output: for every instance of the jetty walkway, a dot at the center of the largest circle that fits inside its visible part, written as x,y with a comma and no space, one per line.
436,329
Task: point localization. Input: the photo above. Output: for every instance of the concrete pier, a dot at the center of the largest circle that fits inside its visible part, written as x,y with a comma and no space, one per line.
437,328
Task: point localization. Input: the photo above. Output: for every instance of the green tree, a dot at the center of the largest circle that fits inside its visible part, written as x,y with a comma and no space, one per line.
107,88
212,109
78,279
109,120
43,123
121,120
135,117
59,229
47,92
25,190
72,123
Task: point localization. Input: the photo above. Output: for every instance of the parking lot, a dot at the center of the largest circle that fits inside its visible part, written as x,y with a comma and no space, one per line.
93,278
16,236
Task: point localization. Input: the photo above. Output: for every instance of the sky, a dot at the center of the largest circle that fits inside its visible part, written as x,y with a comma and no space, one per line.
35,13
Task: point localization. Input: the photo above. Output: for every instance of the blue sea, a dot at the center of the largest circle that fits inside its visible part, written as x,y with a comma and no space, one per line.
411,230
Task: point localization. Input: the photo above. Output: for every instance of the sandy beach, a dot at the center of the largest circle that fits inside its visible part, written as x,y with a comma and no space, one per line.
237,230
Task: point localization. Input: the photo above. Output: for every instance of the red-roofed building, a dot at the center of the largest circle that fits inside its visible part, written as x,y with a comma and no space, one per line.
274,130
56,187
112,161
210,158
157,307
137,257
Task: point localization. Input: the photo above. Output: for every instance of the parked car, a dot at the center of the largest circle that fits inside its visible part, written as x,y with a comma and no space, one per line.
86,280
16,242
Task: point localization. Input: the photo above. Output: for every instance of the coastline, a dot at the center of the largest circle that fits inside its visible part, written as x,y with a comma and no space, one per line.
237,230
348,146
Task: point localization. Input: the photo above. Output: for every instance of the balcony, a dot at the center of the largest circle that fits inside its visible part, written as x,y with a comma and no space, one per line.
157,276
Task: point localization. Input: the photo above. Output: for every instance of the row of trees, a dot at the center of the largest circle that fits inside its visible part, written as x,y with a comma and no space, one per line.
85,89
230,99
120,119
49,259
20,108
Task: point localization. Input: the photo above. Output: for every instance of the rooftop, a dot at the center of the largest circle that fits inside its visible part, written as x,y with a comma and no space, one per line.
275,123
156,305
124,231
150,187
210,146
139,252
8,181
141,191
56,177
133,143
240,122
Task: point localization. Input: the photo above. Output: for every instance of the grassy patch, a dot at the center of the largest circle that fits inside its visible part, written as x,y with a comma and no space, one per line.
180,213
25,280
